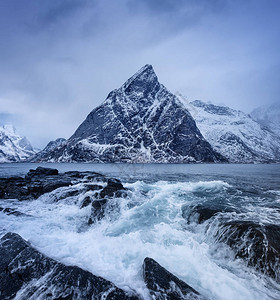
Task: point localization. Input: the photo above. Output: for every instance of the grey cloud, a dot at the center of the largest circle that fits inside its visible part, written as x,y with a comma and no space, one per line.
60,59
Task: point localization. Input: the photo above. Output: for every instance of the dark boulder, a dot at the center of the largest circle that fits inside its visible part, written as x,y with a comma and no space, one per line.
202,212
93,187
257,244
97,211
40,171
198,213
13,188
165,286
114,188
26,272
86,202
11,211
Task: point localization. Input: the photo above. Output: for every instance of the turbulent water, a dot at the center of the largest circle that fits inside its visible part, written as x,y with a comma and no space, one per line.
157,220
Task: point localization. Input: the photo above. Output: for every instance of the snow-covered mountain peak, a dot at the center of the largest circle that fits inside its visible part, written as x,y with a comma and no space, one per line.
268,117
13,147
235,134
139,122
9,129
142,82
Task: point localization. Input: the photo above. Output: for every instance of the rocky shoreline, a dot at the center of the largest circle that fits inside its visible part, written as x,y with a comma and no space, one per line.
26,273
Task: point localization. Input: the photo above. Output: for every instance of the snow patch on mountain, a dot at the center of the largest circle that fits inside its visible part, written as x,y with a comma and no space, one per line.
268,117
51,146
235,134
139,122
13,147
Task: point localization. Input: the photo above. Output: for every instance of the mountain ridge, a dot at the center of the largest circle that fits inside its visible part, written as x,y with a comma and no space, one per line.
13,147
139,122
235,134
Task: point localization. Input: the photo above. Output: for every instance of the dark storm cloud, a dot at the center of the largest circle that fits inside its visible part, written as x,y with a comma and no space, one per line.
60,58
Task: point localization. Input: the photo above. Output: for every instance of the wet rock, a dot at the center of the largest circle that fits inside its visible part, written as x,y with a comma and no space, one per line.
98,210
202,212
163,285
114,188
93,187
40,171
44,180
86,202
13,188
198,213
257,244
29,274
11,211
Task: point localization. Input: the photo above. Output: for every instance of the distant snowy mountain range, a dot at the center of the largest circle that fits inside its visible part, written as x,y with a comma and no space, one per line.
235,134
13,147
143,122
268,117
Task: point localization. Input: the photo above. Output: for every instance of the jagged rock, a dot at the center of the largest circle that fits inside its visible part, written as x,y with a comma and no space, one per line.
11,211
29,274
139,122
114,188
86,202
40,171
165,286
43,180
98,210
257,244
93,187
198,213
202,212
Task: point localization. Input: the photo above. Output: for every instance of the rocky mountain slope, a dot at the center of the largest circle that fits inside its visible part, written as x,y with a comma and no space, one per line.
52,145
268,117
235,135
139,122
13,147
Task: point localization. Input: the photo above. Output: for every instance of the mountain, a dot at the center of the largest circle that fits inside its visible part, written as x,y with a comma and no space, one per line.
13,147
268,117
51,146
235,134
139,122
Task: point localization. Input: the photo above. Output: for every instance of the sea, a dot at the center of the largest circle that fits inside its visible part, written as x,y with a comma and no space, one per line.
157,219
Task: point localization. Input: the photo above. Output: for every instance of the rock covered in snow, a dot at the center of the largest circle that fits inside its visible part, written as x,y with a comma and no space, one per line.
13,147
235,134
139,122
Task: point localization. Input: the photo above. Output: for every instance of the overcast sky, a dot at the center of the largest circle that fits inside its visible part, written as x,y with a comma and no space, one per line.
60,58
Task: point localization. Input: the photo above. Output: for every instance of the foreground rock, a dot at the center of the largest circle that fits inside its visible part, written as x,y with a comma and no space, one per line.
98,191
200,213
40,181
258,245
163,285
28,274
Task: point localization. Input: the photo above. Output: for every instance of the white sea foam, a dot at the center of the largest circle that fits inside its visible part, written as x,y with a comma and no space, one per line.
148,223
